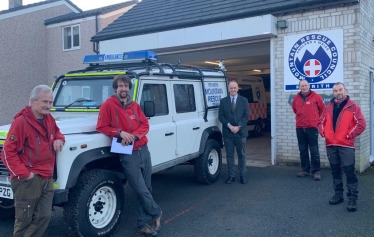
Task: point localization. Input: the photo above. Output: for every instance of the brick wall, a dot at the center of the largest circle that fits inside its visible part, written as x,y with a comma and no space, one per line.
349,19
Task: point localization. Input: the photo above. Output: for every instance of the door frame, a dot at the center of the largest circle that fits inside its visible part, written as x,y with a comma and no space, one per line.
371,76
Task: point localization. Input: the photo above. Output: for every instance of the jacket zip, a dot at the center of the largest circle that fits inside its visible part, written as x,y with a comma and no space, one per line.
339,118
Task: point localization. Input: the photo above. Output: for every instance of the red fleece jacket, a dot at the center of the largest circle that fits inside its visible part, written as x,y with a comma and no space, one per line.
129,117
29,145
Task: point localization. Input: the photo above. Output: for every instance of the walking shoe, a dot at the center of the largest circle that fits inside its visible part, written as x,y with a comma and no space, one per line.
303,174
337,198
352,205
317,176
156,223
147,231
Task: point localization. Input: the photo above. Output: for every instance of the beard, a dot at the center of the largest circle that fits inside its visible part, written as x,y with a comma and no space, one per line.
122,95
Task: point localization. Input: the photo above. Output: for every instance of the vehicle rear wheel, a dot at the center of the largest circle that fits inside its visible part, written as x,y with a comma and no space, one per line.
257,132
208,165
95,205
7,209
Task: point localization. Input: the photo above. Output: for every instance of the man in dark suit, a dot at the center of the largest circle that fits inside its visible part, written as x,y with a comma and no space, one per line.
233,114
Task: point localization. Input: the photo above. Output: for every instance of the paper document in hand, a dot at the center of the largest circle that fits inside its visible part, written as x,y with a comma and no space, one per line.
117,147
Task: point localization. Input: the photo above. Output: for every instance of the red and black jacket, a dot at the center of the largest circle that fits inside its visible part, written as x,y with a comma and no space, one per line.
350,124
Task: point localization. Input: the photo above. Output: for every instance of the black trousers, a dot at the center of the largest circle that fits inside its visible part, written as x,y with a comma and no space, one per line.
308,140
343,158
138,171
239,143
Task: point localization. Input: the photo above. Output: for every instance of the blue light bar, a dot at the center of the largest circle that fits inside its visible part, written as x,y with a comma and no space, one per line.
93,58
128,57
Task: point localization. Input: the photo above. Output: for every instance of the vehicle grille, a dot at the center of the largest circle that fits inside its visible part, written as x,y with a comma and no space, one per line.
3,169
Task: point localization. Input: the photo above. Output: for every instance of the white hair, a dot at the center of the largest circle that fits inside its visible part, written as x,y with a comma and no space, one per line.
36,91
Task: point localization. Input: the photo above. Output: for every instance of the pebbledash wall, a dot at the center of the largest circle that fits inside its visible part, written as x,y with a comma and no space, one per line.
357,22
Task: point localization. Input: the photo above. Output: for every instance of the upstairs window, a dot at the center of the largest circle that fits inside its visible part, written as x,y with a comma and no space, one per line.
71,37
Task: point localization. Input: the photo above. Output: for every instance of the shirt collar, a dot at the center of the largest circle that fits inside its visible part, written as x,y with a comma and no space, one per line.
234,96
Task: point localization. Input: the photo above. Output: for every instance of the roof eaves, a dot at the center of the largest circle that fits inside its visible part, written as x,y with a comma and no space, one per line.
100,36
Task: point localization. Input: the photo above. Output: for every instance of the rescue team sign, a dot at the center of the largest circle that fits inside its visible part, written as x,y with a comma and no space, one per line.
214,92
316,57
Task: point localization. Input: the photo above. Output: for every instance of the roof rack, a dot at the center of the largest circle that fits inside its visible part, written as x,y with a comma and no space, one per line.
147,65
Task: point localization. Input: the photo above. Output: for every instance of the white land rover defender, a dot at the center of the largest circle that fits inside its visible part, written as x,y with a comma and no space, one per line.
181,103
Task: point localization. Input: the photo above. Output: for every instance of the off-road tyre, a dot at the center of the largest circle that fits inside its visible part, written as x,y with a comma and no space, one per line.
208,165
257,131
95,205
7,210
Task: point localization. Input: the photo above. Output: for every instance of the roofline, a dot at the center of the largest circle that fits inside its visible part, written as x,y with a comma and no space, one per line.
37,4
93,12
274,11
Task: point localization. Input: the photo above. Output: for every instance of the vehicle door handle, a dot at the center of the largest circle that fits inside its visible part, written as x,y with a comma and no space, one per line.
169,134
195,128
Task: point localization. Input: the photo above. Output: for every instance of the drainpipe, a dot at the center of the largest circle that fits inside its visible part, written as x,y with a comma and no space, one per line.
95,45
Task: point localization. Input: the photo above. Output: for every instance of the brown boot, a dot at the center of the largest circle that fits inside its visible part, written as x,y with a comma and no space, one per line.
317,176
156,223
303,174
147,231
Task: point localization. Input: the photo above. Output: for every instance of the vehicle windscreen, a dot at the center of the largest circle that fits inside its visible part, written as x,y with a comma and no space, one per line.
84,92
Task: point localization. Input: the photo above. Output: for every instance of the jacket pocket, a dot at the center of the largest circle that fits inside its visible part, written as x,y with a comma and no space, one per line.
23,210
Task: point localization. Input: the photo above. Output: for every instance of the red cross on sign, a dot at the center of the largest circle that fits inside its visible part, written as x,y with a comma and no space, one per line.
312,67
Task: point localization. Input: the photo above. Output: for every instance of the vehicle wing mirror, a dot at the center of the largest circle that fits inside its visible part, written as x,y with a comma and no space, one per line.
149,108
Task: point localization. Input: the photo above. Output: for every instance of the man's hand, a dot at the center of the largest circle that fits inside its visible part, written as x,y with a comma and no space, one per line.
58,145
31,176
127,138
234,129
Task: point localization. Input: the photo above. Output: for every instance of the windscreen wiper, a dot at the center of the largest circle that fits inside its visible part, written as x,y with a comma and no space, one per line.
78,100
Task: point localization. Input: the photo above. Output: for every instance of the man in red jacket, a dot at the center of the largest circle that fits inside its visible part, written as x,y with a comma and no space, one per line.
29,154
123,118
308,106
341,122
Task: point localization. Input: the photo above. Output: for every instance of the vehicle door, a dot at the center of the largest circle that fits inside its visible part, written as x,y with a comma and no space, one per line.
186,115
162,133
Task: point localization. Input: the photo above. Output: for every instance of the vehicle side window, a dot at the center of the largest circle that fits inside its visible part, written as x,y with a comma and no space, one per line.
184,97
157,94
247,93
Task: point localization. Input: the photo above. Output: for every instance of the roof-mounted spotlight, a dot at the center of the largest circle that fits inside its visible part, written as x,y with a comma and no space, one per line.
282,24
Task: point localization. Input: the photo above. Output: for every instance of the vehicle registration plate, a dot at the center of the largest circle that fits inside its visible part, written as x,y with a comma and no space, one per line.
6,192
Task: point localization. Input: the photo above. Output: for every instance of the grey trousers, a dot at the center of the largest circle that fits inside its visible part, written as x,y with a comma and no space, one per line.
343,158
33,203
239,143
138,171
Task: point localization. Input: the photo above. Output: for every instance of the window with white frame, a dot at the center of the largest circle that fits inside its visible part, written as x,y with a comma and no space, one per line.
71,37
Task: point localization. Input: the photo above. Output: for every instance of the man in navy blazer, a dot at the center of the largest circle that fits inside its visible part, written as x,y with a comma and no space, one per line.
234,114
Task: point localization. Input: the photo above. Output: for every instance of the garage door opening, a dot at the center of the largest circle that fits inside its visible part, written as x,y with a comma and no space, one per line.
249,65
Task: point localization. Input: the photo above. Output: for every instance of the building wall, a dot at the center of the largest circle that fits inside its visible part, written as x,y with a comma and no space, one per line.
366,59
356,80
23,61
61,61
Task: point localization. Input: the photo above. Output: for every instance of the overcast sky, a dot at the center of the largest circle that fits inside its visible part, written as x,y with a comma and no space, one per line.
82,4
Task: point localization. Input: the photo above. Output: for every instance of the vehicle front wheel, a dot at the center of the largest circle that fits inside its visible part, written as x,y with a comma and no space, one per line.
208,165
95,205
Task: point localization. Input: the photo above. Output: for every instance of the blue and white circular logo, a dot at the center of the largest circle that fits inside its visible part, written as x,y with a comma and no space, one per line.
314,57
258,93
